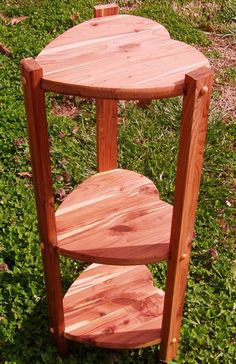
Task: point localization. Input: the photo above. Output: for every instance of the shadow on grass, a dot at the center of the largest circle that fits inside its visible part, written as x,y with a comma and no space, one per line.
32,344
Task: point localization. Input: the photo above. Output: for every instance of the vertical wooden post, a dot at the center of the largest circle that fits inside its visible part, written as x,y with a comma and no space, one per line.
106,134
105,10
106,114
191,149
40,159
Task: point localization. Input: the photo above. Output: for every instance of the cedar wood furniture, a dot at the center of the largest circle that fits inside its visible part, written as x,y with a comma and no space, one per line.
116,218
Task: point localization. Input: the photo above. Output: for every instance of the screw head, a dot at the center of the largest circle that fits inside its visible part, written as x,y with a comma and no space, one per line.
174,340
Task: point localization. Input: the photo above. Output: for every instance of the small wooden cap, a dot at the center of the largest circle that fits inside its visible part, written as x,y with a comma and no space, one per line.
105,10
204,90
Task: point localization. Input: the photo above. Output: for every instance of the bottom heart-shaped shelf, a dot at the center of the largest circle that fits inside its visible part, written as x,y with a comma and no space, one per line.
114,307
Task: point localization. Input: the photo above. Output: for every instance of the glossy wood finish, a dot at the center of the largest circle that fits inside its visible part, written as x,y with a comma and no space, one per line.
106,121
115,217
114,307
105,10
40,159
118,57
189,168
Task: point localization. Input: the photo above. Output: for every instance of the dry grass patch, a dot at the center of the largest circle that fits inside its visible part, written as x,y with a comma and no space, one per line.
66,106
204,15
129,5
221,53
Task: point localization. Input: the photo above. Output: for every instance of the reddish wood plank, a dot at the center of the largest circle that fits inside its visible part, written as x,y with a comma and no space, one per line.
38,140
135,57
114,307
106,121
106,114
105,10
191,149
115,217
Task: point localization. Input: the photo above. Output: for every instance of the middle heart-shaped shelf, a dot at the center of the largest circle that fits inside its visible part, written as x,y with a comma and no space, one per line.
114,217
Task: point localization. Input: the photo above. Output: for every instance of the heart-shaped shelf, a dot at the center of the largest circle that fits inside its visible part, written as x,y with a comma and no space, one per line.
114,307
115,217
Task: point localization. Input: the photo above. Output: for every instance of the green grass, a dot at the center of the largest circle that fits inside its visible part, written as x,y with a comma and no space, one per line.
148,144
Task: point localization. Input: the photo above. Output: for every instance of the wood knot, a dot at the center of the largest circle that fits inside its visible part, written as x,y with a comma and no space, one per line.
121,228
127,47
109,330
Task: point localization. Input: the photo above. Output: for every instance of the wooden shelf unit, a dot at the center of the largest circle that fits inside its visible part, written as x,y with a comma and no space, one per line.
116,217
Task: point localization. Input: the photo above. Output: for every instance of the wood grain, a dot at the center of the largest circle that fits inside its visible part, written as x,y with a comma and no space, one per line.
106,122
189,168
114,307
40,160
114,217
118,57
105,10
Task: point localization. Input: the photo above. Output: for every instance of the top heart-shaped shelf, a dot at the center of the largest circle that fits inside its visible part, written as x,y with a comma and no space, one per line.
118,57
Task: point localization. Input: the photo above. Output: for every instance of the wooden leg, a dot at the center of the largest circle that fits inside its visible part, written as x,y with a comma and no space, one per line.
189,167
106,134
106,113
40,160
105,10
54,297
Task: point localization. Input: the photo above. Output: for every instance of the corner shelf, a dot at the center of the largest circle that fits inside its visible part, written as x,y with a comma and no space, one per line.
114,217
114,307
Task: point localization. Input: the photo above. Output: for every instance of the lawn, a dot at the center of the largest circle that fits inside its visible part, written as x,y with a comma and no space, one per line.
147,144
